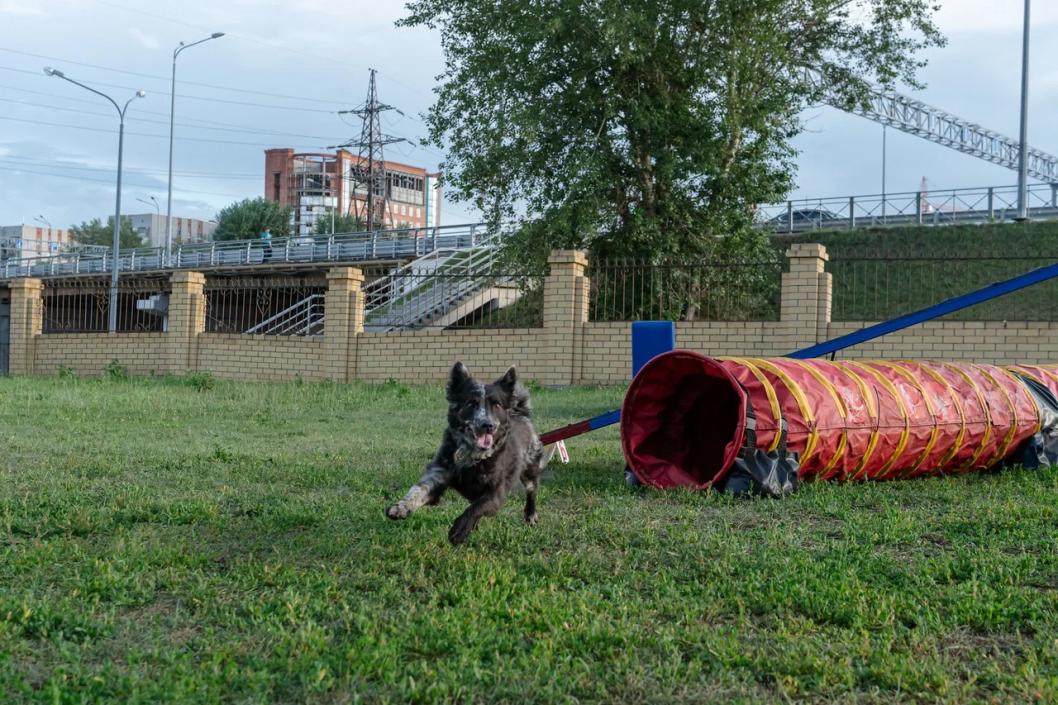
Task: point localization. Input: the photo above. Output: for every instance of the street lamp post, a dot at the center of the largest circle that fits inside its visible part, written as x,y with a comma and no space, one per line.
152,202
112,325
884,128
1023,157
157,214
172,115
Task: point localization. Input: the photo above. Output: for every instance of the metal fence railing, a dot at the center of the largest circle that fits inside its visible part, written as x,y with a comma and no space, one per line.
451,288
458,297
340,247
933,207
83,306
265,306
881,286
632,290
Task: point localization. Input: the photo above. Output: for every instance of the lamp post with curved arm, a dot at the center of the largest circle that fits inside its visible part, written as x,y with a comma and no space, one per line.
112,325
152,202
172,115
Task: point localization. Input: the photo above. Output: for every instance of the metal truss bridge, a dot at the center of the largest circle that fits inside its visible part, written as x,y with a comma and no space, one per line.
917,118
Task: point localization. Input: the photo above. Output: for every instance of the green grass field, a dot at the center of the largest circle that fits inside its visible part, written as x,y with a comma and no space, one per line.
167,543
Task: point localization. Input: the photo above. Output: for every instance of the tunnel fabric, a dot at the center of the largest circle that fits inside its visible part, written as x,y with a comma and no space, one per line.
684,418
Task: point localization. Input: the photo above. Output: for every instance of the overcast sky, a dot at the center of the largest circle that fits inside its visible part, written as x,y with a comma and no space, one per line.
284,68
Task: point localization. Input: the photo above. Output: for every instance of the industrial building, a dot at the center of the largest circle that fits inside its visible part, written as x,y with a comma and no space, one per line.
316,184
151,227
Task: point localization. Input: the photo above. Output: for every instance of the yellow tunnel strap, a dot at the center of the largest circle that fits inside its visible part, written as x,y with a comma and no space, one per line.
958,407
927,399
1001,451
987,436
1049,373
802,403
769,392
1021,385
843,441
872,412
1027,371
898,398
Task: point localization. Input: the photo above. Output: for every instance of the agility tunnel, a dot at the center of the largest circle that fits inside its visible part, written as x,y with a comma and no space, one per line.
688,420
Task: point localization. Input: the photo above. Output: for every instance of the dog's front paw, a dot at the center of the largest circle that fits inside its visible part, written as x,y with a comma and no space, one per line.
398,511
531,519
460,531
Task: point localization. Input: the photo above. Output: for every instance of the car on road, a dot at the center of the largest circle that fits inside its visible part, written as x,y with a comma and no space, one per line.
804,218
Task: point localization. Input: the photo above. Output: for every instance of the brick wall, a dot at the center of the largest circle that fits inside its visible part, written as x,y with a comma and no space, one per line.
568,349
427,356
90,353
266,358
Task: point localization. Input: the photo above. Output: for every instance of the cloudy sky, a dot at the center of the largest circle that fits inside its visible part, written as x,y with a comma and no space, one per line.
285,68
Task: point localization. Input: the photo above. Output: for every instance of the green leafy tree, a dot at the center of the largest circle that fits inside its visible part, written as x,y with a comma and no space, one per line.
94,232
648,128
246,219
347,223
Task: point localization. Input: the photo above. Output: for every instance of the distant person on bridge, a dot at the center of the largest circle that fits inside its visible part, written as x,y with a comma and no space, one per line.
266,237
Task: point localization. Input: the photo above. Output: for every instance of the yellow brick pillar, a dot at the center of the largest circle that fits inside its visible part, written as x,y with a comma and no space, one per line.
806,296
343,322
27,322
187,320
565,313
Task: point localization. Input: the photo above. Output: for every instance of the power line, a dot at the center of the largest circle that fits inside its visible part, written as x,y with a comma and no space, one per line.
329,60
166,122
111,182
184,96
140,110
167,79
54,164
148,134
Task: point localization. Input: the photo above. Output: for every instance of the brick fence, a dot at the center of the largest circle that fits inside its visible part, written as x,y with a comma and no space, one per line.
567,349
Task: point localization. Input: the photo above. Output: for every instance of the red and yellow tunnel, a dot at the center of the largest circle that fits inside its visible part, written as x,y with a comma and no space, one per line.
683,421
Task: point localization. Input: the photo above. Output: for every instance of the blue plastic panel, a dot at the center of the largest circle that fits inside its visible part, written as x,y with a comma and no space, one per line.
650,339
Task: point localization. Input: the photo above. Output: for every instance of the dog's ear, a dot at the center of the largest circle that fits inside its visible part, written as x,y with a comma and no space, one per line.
517,396
509,380
458,377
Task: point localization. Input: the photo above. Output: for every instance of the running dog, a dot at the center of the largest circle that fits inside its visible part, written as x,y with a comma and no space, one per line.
488,447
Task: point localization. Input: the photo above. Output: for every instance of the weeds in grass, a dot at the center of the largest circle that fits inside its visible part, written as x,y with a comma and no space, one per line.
116,372
201,381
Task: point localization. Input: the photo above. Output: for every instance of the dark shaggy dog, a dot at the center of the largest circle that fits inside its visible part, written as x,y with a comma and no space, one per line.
488,447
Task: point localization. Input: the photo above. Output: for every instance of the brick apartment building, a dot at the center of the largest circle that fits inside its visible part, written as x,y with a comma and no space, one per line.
314,184
20,241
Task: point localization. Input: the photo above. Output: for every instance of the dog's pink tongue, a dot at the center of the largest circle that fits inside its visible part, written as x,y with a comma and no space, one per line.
485,441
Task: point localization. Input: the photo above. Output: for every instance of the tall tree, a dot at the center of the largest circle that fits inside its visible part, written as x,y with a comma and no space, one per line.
648,127
246,219
94,232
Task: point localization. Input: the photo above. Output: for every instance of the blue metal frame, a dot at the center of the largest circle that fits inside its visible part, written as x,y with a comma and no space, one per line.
930,312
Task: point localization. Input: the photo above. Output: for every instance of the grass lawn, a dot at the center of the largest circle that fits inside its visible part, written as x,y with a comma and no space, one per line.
164,543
